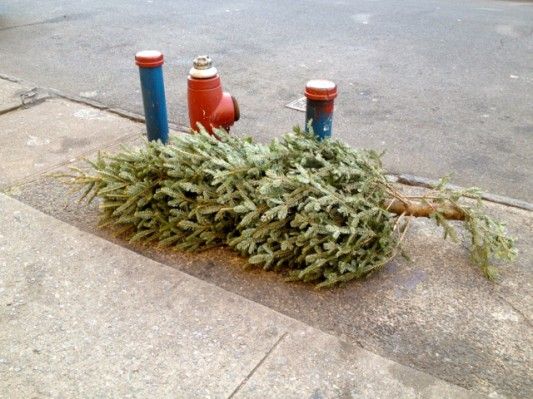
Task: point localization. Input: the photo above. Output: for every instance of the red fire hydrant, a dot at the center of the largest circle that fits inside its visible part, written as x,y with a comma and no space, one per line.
208,105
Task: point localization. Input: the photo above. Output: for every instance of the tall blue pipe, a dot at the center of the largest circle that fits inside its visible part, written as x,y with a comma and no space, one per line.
150,64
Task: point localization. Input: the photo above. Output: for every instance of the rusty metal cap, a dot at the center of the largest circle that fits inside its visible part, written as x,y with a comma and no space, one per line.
203,62
321,90
149,58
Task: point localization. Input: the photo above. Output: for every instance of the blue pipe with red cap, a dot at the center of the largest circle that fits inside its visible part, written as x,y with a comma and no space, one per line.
150,64
320,96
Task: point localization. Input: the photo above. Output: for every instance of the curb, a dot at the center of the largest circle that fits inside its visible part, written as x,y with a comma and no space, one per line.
117,111
417,181
9,107
54,93
39,94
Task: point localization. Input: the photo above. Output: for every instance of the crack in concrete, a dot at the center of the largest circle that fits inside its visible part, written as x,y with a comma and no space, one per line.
44,22
251,373
54,20
517,310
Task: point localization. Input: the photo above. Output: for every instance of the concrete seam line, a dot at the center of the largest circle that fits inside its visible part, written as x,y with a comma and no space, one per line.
259,364
80,100
126,114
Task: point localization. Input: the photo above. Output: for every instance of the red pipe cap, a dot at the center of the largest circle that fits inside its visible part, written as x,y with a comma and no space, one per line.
149,58
321,90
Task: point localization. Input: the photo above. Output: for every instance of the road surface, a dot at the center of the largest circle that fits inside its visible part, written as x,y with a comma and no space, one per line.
443,86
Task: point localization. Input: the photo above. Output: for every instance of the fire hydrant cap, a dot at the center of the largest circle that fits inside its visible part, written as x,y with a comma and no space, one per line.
203,68
149,58
320,89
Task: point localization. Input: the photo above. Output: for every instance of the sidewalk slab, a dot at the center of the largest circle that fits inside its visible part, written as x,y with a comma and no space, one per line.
436,313
55,132
315,365
83,317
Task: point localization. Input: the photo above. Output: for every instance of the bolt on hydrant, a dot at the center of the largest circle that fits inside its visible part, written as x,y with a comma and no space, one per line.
150,63
320,96
208,104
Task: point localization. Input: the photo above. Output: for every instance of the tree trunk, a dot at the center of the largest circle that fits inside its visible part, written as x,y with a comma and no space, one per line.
421,209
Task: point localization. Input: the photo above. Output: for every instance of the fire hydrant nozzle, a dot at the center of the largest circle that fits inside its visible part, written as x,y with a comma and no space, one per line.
203,68
208,104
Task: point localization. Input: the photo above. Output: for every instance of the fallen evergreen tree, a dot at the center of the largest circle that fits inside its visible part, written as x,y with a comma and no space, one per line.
319,211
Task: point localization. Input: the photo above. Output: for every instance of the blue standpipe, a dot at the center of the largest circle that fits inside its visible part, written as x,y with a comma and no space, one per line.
320,114
320,96
153,91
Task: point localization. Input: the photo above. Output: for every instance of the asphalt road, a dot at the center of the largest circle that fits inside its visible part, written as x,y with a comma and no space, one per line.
443,86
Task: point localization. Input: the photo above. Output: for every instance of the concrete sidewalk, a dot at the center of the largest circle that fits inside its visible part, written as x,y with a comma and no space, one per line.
82,317
436,314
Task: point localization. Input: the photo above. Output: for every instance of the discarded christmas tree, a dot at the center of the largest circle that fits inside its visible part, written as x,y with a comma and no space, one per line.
319,211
